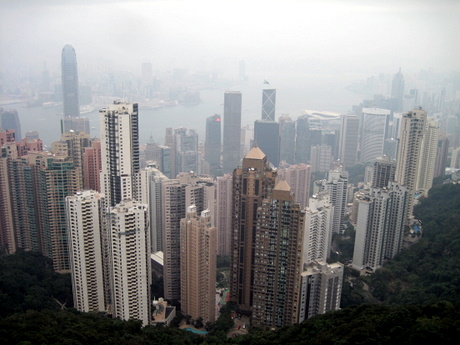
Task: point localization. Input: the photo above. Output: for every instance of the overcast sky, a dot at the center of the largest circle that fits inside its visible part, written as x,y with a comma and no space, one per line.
344,37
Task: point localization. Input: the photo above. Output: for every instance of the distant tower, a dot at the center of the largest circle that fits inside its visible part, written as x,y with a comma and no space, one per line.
69,77
321,158
373,133
441,157
429,149
186,151
397,91
287,139
303,140
268,104
251,184
232,131
266,136
198,265
213,143
348,142
224,214
298,176
10,120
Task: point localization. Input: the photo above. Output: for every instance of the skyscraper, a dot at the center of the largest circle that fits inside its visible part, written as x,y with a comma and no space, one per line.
287,139
383,172
266,136
380,226
441,157
348,142
213,143
321,158
86,224
268,104
232,131
336,184
252,183
298,176
397,91
120,151
429,149
373,133
198,265
277,259
10,120
129,261
69,75
412,129
224,214
302,140
186,151
318,228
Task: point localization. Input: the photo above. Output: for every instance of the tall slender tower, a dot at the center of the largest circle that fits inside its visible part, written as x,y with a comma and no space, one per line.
373,133
266,136
86,224
348,142
302,140
287,139
213,143
268,104
412,129
252,183
69,75
224,214
277,259
120,151
198,265
232,131
429,149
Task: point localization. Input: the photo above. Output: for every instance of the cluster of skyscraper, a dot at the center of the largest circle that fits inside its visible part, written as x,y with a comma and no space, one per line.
101,208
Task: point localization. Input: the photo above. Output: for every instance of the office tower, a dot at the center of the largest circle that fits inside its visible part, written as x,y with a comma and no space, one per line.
120,151
92,166
247,139
348,142
69,75
76,124
86,224
298,176
186,151
268,104
73,145
373,133
266,136
397,91
198,265
173,211
390,147
455,158
321,158
287,139
318,228
336,184
380,226
129,260
231,151
383,172
10,120
277,259
427,162
213,143
441,157
412,129
224,214
302,140
321,289
251,184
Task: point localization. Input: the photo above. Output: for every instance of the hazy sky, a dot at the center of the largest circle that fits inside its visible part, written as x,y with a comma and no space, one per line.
343,37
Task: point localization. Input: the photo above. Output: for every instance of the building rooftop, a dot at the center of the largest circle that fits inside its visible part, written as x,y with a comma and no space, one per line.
255,153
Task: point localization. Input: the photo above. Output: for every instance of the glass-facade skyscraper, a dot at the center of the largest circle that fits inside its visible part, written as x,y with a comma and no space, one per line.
69,77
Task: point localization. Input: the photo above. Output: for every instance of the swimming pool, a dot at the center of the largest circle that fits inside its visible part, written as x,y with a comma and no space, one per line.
195,331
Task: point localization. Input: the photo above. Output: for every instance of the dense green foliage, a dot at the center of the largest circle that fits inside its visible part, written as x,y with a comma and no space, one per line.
27,281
